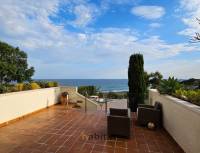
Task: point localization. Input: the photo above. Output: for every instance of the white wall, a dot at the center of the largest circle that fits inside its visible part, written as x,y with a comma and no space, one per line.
181,119
17,104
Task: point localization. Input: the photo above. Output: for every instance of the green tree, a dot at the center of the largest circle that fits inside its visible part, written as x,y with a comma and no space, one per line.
169,86
146,78
13,64
199,85
136,81
155,79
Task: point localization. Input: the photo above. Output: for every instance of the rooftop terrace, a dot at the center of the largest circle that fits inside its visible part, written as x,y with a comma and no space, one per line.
57,130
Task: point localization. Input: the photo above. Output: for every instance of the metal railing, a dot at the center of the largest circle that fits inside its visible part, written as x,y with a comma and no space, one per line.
86,95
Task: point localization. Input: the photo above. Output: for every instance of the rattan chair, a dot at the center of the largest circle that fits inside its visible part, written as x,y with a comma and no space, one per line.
119,122
149,113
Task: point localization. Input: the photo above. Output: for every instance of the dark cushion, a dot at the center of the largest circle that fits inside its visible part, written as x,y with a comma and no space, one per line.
157,106
118,112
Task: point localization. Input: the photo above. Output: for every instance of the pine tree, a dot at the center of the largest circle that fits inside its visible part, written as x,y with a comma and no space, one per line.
136,81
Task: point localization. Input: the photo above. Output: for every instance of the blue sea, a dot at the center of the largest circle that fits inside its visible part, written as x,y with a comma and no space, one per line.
105,85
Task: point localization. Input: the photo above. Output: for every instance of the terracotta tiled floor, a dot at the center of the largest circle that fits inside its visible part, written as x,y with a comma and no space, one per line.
56,130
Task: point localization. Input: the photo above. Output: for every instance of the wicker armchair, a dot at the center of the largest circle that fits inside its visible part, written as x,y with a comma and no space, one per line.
148,113
119,122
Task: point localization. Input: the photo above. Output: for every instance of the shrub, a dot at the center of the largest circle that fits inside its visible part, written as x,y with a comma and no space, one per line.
169,86
11,88
192,96
51,84
112,95
34,85
42,84
3,88
100,94
19,86
116,95
27,86
55,84
91,90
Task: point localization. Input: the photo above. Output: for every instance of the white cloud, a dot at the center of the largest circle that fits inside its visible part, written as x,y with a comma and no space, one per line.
182,69
85,14
50,46
155,25
119,2
148,12
191,11
190,5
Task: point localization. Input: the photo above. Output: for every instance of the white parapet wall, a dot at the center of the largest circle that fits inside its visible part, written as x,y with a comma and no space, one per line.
181,119
17,104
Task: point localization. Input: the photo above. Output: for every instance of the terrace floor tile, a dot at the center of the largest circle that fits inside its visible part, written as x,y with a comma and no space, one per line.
57,130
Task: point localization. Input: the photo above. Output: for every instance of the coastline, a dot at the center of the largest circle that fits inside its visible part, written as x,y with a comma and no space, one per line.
104,85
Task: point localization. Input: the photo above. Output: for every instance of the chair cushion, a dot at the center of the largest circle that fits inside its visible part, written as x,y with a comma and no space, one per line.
157,106
118,112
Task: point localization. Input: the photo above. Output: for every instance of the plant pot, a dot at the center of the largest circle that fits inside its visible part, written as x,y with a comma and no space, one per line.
63,100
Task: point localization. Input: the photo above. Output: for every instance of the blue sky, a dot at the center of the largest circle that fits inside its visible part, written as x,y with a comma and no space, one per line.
94,38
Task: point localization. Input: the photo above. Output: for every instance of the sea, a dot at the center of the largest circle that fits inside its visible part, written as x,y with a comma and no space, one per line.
105,85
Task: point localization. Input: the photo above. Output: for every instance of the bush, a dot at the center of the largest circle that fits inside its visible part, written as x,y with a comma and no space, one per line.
169,86
112,95
11,88
27,86
34,85
45,84
42,84
56,84
52,84
91,90
192,96
3,88
116,95
100,94
180,94
19,86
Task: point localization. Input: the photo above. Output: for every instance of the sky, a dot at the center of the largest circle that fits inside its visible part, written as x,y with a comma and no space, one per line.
84,39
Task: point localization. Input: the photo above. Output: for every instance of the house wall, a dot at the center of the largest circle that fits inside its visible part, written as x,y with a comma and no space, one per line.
181,119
